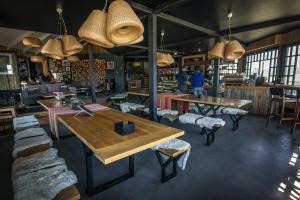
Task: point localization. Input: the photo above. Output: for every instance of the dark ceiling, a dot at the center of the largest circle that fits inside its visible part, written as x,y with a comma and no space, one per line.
252,19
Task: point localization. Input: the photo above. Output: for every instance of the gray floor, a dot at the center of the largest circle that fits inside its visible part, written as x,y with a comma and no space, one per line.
250,163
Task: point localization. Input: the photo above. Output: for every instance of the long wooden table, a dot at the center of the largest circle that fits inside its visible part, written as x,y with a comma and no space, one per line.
99,139
143,96
52,95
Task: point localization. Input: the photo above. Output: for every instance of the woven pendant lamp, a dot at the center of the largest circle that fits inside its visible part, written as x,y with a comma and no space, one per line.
123,25
32,42
36,58
53,49
217,51
140,39
234,50
162,59
93,29
71,45
170,59
73,59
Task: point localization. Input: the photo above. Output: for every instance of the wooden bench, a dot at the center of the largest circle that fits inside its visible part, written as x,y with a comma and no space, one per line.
173,156
70,193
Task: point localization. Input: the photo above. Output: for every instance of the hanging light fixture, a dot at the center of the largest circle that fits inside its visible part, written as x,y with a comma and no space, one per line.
163,59
93,30
73,59
32,42
53,49
36,58
140,39
234,49
217,51
123,25
66,45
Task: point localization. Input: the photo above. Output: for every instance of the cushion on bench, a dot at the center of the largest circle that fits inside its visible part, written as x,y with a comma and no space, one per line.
173,148
44,184
206,122
31,132
35,162
21,123
127,107
22,145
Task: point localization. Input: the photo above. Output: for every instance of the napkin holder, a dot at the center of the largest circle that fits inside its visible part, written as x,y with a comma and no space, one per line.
124,129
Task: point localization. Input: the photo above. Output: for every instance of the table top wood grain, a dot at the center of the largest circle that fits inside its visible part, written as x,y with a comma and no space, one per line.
208,100
97,133
53,103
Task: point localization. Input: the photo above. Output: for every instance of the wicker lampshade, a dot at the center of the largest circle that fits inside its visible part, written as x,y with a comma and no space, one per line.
170,59
123,25
53,49
234,50
32,42
140,39
36,58
71,45
93,29
73,59
217,51
162,59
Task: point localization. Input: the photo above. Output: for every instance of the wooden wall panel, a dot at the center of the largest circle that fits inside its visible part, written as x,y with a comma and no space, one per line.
11,81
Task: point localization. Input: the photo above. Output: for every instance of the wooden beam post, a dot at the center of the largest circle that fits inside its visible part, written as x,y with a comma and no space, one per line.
92,71
152,44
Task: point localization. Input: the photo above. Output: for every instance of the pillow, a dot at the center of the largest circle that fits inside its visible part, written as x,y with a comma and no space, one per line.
43,89
55,87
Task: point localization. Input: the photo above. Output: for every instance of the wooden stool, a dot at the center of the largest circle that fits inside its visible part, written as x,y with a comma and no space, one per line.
277,96
7,113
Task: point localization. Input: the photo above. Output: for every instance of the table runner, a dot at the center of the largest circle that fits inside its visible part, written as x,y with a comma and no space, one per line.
54,112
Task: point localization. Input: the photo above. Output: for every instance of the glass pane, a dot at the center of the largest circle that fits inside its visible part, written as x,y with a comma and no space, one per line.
287,61
294,50
288,51
255,67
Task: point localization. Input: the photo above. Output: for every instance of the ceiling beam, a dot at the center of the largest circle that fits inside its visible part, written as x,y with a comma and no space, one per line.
42,38
265,24
19,39
168,4
173,19
188,24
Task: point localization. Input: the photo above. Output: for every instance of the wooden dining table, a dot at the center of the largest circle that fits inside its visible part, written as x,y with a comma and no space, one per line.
99,139
52,95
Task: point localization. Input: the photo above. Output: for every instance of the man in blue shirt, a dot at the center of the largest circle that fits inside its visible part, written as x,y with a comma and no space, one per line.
197,82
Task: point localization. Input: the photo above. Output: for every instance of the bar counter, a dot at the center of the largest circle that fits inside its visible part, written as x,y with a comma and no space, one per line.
259,95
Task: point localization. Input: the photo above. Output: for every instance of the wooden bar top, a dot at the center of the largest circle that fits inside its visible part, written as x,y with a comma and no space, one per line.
97,132
226,102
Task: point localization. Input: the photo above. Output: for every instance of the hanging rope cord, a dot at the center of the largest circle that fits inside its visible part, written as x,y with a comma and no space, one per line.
229,27
105,5
162,43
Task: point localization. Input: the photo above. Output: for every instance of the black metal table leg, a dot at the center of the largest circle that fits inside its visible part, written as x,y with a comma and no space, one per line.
143,99
210,135
90,188
204,111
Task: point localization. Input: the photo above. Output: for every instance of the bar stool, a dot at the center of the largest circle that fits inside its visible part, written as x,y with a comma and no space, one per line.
278,96
7,113
297,110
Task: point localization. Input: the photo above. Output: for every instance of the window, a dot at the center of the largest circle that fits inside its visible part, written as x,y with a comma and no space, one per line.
230,67
263,64
5,63
291,65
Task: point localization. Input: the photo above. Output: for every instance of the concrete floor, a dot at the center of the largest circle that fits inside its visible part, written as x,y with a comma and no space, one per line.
251,163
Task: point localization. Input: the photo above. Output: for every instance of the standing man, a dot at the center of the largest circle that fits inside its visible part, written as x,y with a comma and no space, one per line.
197,82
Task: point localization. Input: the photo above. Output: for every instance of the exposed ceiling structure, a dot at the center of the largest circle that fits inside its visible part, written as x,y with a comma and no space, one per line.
187,23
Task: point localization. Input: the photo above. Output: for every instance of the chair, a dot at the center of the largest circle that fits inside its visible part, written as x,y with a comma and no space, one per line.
278,96
297,110
7,113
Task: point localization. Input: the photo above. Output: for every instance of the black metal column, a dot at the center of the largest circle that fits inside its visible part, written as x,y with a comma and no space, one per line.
92,71
216,83
152,49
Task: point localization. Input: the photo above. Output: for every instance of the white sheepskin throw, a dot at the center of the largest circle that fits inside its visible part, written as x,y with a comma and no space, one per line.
35,162
43,184
127,107
177,145
119,96
207,122
31,132
26,143
25,122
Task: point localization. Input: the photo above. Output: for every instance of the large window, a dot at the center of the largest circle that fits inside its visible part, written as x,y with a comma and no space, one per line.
230,67
263,64
291,65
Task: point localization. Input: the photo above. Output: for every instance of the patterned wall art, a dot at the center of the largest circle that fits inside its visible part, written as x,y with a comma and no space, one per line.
80,70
